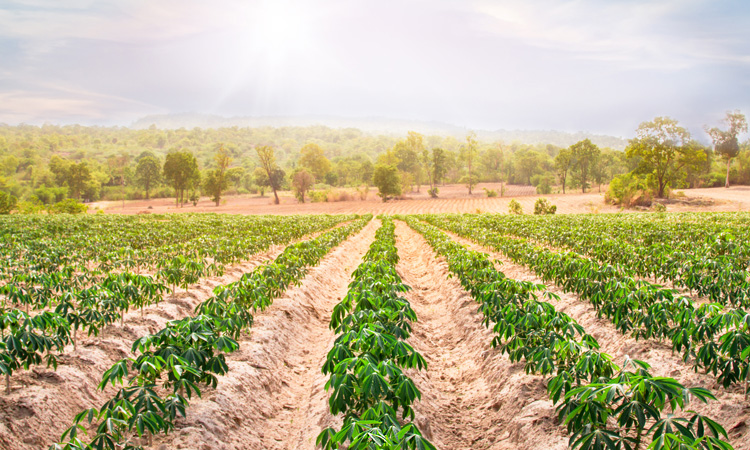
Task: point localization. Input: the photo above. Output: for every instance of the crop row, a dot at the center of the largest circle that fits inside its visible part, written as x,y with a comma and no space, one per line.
71,253
603,405
715,339
173,364
712,264
367,362
30,339
189,353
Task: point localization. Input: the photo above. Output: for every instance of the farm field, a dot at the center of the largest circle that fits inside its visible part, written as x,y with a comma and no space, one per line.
448,331
453,198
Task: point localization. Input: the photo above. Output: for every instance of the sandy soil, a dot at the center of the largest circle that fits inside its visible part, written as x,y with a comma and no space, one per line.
273,396
43,402
472,396
730,410
453,198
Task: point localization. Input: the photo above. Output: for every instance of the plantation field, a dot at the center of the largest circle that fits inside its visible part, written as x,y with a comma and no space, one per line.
448,331
452,198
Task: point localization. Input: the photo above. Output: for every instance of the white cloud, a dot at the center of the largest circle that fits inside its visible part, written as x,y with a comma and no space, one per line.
666,34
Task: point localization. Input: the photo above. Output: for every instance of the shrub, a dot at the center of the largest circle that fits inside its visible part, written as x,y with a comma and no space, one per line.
542,206
318,196
659,207
490,193
629,190
433,192
68,206
7,202
31,207
514,207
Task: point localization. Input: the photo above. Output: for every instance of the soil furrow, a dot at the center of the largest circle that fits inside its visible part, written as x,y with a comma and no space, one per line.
472,396
44,402
730,409
273,396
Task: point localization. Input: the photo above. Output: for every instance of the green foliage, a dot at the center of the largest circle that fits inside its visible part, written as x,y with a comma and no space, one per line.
148,173
181,172
172,365
584,155
515,208
388,181
601,404
491,193
369,358
542,206
313,159
7,202
433,192
664,150
68,206
628,190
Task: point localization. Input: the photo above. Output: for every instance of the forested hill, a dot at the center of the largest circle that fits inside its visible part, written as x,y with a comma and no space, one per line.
378,126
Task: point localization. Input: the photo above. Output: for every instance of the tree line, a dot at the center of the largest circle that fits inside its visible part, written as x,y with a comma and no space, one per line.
44,165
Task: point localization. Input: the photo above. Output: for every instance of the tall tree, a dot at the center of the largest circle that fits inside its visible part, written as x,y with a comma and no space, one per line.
415,143
268,164
439,165
664,149
216,180
148,172
562,165
469,153
315,161
584,155
181,172
726,142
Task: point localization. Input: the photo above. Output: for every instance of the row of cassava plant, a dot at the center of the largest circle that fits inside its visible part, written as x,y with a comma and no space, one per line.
153,388
367,362
603,405
706,261
30,339
714,338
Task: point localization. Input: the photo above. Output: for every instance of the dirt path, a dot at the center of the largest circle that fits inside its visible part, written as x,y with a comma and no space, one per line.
472,396
273,396
730,410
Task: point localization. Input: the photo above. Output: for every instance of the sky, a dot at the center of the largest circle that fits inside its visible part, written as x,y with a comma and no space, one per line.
581,65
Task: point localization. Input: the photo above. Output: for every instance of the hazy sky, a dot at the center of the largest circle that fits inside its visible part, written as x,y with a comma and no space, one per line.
585,65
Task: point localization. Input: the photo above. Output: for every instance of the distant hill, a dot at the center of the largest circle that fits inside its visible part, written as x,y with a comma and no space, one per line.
377,126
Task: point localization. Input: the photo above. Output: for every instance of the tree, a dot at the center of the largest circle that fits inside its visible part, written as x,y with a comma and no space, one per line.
584,155
302,181
315,161
181,172
439,165
260,178
148,172
268,163
663,148
216,180
386,178
469,153
725,142
415,143
562,165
